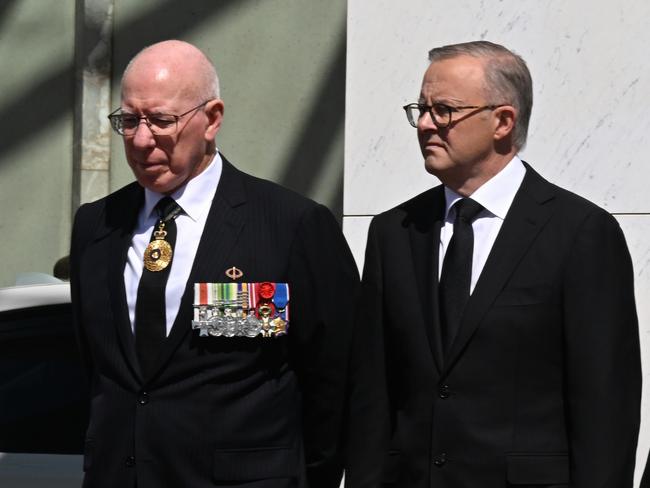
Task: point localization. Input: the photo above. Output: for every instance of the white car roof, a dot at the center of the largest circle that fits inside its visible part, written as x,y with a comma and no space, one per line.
17,297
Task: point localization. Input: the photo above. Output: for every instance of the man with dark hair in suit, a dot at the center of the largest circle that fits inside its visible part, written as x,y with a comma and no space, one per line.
182,284
500,334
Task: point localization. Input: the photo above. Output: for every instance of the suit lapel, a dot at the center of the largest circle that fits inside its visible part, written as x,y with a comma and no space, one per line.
222,230
121,217
424,236
529,212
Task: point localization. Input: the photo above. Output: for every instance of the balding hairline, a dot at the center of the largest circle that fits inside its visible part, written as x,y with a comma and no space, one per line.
208,80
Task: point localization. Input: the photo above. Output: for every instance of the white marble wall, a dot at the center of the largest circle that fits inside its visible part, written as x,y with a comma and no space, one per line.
591,113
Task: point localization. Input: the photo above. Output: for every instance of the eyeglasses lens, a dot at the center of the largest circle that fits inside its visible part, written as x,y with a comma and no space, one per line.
127,124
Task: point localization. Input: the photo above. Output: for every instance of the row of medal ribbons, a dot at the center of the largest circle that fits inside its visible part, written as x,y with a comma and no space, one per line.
241,309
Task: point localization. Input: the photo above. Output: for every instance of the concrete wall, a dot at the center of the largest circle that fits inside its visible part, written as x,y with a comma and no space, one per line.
589,122
36,135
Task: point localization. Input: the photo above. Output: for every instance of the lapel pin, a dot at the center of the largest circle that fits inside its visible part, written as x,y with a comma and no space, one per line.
234,273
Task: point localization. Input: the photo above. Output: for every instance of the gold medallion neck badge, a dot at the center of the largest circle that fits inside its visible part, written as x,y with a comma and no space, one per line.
158,253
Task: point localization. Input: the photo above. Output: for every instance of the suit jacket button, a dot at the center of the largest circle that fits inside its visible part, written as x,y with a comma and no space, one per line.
440,459
444,392
143,399
130,461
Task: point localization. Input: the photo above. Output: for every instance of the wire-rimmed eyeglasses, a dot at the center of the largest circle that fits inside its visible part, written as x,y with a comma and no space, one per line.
126,124
440,113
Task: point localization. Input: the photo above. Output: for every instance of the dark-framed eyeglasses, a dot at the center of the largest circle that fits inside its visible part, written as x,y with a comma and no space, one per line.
440,113
126,124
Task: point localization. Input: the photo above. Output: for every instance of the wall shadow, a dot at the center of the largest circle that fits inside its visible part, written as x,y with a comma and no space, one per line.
5,5
326,118
41,104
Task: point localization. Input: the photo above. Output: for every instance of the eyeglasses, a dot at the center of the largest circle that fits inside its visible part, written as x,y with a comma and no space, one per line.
126,124
440,113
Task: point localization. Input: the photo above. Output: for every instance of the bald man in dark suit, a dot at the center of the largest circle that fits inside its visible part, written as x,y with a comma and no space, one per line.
254,404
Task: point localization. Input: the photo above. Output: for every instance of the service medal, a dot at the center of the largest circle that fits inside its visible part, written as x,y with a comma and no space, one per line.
230,323
265,312
266,290
252,326
278,326
281,302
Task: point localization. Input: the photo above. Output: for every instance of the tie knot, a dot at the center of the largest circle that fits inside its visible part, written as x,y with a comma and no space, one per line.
467,209
167,208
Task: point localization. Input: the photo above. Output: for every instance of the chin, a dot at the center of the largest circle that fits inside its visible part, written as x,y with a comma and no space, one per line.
435,166
154,184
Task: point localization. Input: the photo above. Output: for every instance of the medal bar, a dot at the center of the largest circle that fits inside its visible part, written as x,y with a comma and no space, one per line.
241,309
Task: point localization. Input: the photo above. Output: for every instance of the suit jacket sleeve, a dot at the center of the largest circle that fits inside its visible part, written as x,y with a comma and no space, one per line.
368,403
84,224
603,371
324,283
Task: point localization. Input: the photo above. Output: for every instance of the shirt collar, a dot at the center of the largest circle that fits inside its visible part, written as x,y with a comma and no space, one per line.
496,194
192,195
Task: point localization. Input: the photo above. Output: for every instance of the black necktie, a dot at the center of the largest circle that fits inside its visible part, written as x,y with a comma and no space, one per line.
456,274
150,310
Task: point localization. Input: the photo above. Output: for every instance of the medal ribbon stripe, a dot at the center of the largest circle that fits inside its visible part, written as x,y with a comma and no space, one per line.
252,296
197,302
218,292
243,298
231,292
281,299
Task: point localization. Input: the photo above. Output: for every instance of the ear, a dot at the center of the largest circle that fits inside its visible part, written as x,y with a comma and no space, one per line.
214,111
504,121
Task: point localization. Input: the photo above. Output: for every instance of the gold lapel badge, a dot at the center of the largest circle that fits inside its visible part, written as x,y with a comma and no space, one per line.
234,273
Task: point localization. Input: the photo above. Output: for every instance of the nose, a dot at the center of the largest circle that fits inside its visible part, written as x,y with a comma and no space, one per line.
426,122
143,136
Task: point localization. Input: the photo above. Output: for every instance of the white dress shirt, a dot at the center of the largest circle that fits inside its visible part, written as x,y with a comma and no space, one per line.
195,198
496,196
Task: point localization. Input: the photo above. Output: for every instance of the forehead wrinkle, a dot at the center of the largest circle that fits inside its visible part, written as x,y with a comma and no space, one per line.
155,89
445,100
458,69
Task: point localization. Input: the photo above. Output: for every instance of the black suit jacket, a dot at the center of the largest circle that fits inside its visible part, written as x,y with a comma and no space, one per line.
218,411
542,384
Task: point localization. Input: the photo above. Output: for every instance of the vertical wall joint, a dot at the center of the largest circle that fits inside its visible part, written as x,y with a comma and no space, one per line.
93,60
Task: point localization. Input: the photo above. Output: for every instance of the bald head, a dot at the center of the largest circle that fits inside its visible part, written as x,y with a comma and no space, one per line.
174,63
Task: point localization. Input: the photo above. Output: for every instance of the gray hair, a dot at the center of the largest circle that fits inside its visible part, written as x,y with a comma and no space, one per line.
507,79
209,80
210,83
